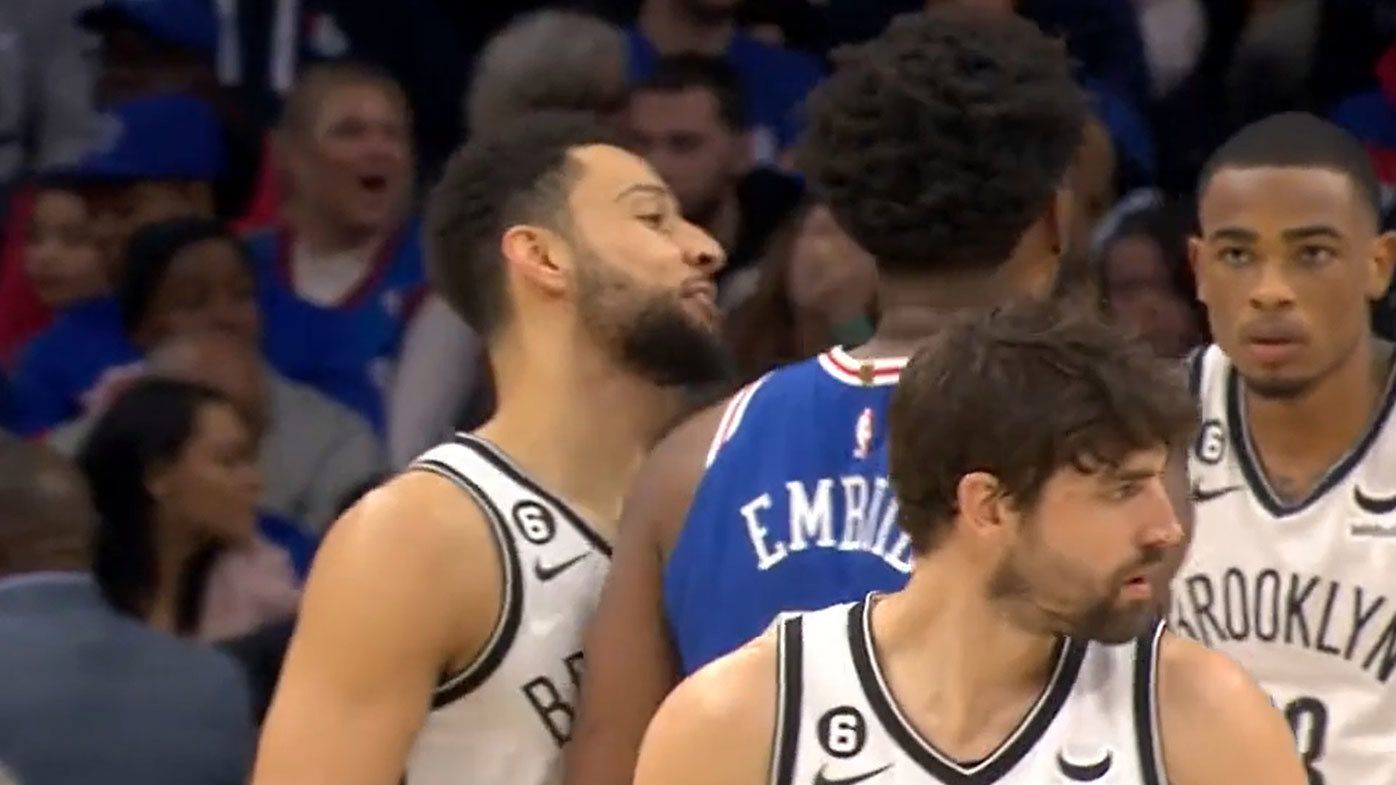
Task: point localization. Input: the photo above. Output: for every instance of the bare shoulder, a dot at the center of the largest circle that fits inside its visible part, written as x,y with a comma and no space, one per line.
417,546
717,725
1217,724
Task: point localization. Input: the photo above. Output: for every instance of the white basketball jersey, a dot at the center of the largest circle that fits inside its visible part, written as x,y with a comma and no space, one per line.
1303,595
838,724
503,720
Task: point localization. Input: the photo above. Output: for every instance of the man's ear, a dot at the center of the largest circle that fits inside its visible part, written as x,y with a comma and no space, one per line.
538,256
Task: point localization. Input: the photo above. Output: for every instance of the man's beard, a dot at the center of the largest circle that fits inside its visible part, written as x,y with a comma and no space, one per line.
1102,620
654,337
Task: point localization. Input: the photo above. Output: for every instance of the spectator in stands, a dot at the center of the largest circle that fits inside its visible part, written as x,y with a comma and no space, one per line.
61,256
89,695
550,59
687,120
340,278
156,158
774,81
171,47
814,289
180,275
187,300
312,452
1371,117
174,476
1147,282
48,115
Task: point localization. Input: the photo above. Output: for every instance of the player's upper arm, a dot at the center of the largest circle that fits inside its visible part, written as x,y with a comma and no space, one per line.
403,584
1217,726
716,727
630,661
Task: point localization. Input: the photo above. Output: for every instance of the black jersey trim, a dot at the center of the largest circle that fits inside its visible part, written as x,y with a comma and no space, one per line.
1250,464
790,645
1146,704
505,465
1194,363
1068,655
454,686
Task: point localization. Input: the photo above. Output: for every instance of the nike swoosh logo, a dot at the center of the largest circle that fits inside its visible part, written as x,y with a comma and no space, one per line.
546,574
1087,773
1376,505
1200,494
820,779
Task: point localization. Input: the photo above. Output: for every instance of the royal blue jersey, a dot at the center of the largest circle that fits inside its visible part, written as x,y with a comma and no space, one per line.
71,367
794,511
346,350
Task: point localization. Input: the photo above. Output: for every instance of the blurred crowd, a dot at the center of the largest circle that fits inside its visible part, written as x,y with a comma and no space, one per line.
213,300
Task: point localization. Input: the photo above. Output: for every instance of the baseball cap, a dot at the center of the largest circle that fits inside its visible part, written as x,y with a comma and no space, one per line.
187,24
153,137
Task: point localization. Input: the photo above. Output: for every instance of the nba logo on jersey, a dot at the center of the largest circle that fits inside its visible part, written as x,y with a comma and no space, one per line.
863,434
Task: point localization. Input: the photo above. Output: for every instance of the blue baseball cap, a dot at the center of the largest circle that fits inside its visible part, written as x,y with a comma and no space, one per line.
154,137
187,24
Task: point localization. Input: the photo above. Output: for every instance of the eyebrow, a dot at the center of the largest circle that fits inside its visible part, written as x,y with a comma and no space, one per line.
645,188
1132,475
1311,232
1234,234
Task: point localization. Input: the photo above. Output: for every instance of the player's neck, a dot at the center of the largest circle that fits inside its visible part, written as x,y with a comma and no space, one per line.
672,30
962,672
1323,423
913,308
576,423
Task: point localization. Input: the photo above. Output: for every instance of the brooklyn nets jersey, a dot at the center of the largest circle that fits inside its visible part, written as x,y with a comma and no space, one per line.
1095,721
503,720
1303,595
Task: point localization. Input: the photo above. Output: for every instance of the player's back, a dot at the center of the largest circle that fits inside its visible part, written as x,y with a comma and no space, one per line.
794,510
1302,595
838,722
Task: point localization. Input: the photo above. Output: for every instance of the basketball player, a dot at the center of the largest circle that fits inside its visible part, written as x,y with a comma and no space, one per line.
1293,572
441,628
942,147
1039,524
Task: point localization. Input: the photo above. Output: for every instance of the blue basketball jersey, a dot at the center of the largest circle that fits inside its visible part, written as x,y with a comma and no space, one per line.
794,511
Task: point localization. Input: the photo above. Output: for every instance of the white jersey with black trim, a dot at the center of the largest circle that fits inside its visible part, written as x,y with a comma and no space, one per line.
503,719
1302,594
838,724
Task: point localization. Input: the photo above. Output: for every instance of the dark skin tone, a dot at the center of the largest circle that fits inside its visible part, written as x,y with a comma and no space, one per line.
1287,265
631,662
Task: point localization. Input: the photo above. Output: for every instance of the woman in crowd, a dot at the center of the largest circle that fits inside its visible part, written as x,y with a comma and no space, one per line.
174,477
1146,280
813,289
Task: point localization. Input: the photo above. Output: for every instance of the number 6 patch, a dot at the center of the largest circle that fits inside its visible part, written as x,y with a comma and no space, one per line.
843,732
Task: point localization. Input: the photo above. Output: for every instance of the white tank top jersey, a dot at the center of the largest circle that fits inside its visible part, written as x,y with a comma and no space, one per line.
837,723
503,720
1302,594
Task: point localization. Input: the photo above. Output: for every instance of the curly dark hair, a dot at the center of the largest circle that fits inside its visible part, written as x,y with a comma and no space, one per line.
517,172
942,140
1020,392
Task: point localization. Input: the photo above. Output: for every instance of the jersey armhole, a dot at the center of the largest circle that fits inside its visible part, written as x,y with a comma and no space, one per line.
454,686
1146,708
790,662
732,418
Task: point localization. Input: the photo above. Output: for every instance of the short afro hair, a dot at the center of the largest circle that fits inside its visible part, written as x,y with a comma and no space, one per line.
1298,140
517,172
944,138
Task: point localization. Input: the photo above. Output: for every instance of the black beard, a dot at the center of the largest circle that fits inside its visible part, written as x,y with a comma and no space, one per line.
663,345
